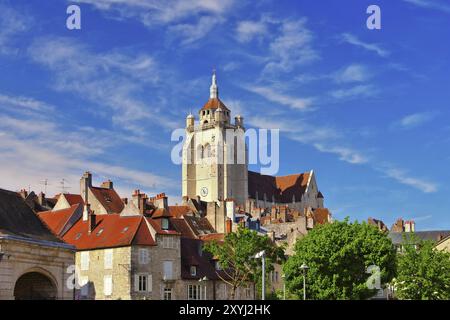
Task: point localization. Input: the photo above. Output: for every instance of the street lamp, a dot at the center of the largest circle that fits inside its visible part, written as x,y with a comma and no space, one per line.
283,276
305,268
262,255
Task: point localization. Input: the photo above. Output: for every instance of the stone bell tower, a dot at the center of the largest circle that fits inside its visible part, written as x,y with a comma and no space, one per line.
214,154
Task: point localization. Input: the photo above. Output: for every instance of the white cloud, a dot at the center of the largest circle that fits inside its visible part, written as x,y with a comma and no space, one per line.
418,183
151,12
112,81
415,120
353,73
190,33
291,47
12,23
249,30
274,96
345,154
34,149
430,4
351,39
354,92
172,13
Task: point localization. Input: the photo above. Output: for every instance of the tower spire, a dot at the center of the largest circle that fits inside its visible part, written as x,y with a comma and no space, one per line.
213,90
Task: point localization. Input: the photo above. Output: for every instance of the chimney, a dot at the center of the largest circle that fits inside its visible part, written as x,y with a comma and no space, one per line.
92,222
229,226
160,201
85,184
41,198
86,211
107,184
23,193
125,200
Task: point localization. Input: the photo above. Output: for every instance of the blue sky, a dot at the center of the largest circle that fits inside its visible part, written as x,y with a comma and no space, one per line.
366,109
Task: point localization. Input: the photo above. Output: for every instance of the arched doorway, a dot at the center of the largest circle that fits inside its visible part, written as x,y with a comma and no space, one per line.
35,286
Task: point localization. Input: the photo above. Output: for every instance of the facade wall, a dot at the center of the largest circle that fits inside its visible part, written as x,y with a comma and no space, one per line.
24,257
444,245
222,179
92,280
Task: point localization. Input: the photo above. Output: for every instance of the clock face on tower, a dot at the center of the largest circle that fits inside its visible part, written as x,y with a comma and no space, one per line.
204,191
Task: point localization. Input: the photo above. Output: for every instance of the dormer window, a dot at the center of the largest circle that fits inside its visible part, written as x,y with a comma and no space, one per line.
193,271
165,224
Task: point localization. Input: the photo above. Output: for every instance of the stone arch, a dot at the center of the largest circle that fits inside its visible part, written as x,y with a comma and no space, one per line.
36,284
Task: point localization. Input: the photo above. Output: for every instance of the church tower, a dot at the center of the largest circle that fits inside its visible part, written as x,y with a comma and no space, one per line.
214,154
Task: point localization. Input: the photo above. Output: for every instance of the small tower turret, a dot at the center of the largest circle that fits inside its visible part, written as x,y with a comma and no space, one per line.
190,121
239,121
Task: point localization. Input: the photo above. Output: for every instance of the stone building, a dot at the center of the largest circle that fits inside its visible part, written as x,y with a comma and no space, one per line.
122,256
101,200
34,263
444,244
215,169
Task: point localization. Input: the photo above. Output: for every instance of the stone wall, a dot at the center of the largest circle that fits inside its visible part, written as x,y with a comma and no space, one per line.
21,257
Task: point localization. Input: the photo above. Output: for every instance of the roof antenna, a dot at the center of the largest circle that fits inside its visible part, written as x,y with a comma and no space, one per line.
63,185
45,184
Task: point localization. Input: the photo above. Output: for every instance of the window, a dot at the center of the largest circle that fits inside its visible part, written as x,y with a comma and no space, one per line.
107,285
143,256
85,260
143,283
196,292
193,271
167,294
168,270
169,242
108,259
165,224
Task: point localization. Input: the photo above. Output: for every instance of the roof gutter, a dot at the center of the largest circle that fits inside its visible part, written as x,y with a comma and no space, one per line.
38,242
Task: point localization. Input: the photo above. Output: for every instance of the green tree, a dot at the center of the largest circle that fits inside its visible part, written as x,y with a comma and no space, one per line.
423,272
235,255
338,255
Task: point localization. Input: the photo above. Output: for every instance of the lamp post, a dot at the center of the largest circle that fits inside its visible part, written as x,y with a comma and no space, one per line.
201,280
283,276
305,268
262,255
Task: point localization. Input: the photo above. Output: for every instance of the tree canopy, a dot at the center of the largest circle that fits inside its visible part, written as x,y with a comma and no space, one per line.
235,256
338,255
423,272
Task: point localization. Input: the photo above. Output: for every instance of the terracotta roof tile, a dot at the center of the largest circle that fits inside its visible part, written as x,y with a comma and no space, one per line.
179,211
57,220
109,199
111,230
214,103
282,188
321,215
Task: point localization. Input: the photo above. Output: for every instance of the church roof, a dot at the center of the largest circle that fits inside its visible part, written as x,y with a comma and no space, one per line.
214,103
282,188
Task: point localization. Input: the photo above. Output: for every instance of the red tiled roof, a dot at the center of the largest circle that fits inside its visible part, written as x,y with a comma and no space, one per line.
213,237
214,103
179,211
111,230
57,220
161,212
73,198
321,215
282,188
183,228
109,199
156,224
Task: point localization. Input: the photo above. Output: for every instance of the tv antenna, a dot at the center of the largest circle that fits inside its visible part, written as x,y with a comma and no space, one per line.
63,185
45,184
